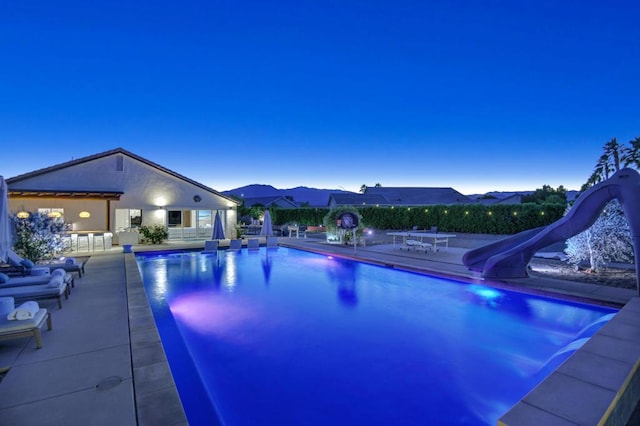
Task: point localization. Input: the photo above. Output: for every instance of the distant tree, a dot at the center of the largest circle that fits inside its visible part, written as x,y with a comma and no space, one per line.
377,185
363,188
290,198
607,240
305,204
547,195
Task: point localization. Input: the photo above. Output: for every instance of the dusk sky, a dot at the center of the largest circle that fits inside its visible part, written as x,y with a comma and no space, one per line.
474,95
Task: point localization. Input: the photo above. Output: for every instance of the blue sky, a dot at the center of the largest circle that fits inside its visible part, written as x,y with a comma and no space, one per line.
476,95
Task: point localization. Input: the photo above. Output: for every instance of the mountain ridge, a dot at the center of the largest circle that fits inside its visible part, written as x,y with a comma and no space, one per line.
318,197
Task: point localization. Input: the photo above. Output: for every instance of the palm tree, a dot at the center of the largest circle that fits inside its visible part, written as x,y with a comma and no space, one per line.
631,154
608,163
612,150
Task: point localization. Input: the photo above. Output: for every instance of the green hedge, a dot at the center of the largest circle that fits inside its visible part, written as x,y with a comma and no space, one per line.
471,218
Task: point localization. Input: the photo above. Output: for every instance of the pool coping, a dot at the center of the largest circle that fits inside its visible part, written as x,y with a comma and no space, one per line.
575,393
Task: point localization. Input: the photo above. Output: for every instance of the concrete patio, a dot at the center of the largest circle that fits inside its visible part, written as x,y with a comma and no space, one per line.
103,362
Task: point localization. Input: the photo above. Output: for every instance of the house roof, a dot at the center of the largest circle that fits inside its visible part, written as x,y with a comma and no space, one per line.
512,199
269,201
407,196
353,199
77,161
99,195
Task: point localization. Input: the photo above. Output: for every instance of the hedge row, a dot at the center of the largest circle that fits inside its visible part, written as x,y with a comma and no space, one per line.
473,218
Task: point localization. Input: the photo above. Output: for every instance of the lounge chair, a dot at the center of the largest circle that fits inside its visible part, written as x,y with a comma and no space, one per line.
37,292
235,245
17,262
253,244
272,242
28,280
27,267
210,246
12,329
70,264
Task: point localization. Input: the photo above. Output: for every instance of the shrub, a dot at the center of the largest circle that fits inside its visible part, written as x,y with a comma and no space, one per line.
155,234
39,236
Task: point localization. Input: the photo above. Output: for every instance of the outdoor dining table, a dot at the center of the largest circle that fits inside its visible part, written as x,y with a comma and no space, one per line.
432,238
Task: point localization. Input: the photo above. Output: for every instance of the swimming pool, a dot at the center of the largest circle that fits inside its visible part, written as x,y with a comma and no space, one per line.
290,337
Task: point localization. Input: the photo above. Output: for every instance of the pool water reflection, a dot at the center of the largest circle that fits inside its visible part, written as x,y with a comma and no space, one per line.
290,337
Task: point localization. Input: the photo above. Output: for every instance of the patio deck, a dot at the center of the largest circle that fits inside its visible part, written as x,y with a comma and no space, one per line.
103,362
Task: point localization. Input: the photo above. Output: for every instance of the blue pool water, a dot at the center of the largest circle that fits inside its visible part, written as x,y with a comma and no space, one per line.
287,337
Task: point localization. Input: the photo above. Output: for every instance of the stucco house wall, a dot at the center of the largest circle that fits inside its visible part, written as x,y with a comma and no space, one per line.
142,184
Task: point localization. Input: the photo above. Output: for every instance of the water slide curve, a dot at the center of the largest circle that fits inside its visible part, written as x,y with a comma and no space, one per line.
509,257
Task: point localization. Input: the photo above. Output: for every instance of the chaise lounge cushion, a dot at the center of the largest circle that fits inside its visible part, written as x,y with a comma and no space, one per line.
11,329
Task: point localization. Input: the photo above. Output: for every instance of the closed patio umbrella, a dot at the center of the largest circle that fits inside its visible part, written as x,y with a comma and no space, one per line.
5,228
218,231
267,228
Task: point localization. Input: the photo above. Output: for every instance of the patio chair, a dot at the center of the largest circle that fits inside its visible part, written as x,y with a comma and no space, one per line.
272,242
13,329
37,292
235,245
210,246
8,281
29,268
20,264
253,244
70,264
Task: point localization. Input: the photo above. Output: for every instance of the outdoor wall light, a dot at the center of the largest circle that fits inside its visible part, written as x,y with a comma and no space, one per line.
23,214
55,215
84,214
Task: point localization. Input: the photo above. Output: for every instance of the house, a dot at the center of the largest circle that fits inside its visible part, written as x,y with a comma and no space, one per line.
511,199
400,196
117,191
353,199
267,202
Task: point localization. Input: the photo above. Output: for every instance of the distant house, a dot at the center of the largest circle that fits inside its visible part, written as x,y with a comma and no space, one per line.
353,199
401,196
512,199
274,201
118,191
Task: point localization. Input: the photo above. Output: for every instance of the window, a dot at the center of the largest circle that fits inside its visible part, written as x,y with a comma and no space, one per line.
175,218
127,219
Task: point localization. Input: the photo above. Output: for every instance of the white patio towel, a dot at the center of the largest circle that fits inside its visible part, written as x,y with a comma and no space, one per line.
25,311
56,281
59,272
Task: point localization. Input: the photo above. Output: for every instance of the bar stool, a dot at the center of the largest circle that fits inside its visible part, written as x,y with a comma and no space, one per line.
67,242
82,238
97,237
